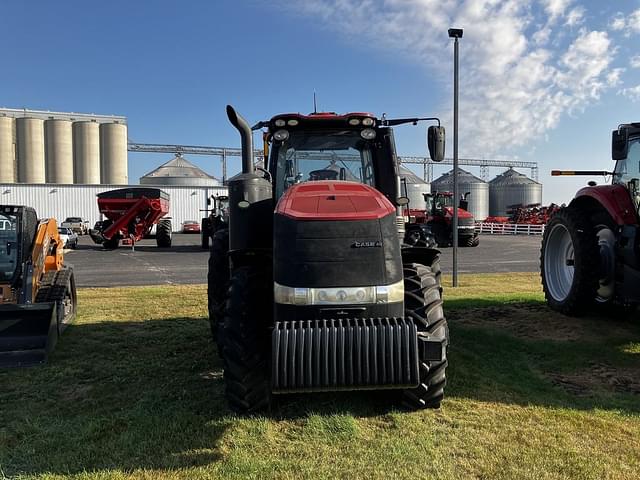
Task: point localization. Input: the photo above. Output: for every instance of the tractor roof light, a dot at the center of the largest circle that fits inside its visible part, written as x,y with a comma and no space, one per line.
279,122
368,134
354,121
367,122
293,122
281,135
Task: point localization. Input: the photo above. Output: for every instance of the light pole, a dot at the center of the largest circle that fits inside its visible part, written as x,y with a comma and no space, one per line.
455,33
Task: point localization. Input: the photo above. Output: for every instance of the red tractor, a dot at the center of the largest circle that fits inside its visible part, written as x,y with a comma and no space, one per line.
591,248
131,213
313,289
436,222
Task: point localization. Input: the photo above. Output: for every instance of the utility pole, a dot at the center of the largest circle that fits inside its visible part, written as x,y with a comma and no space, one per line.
455,33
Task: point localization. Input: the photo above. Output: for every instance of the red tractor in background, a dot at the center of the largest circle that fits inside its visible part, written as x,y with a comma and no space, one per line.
591,248
435,224
131,213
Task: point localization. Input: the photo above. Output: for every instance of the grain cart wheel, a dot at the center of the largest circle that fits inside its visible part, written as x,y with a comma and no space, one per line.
163,233
570,262
218,283
423,304
246,338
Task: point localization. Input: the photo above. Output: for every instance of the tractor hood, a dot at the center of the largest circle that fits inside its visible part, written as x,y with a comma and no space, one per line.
334,200
461,213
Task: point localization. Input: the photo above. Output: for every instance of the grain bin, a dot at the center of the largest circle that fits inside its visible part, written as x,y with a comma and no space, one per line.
416,188
512,188
478,191
30,150
113,153
86,152
8,170
178,171
59,151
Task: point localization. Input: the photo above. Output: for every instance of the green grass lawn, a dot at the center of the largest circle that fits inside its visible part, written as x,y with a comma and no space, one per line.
134,390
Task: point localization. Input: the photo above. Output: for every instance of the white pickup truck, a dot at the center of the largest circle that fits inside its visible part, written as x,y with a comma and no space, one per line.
77,224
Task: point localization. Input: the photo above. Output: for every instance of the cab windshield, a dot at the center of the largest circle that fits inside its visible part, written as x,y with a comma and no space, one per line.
8,247
629,168
312,156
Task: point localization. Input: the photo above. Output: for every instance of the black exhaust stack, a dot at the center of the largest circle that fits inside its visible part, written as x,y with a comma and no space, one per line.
245,135
250,198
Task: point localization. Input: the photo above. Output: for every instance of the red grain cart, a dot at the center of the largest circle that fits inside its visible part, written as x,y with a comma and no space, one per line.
130,214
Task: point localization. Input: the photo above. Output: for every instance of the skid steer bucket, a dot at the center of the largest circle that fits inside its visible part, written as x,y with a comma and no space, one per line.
27,333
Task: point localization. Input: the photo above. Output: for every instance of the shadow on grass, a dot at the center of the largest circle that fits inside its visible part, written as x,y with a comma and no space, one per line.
525,354
116,395
149,394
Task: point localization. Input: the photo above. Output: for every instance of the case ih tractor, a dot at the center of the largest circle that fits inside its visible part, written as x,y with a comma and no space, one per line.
322,294
591,248
436,222
217,218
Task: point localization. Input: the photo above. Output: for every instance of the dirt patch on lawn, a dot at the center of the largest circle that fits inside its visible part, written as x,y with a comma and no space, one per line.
538,322
599,376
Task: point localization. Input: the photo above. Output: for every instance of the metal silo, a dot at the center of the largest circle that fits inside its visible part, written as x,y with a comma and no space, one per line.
86,152
512,188
178,171
416,187
113,153
30,149
59,153
7,150
478,191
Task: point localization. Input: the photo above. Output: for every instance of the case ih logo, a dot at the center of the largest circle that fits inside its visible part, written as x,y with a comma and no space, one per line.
366,244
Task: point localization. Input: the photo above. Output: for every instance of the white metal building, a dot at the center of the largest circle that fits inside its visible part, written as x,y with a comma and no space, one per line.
62,201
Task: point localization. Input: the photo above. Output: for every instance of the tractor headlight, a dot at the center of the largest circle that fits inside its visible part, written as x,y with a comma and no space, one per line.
280,122
367,122
339,295
281,135
368,134
293,122
354,121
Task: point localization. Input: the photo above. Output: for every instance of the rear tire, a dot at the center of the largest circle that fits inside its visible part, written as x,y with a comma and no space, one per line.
245,340
423,304
163,233
570,262
471,241
205,233
218,283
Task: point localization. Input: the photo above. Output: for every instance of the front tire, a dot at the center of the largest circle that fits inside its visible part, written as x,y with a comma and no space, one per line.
218,282
570,262
423,304
245,340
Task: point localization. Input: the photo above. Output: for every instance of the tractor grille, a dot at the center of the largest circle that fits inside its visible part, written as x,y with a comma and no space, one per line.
344,354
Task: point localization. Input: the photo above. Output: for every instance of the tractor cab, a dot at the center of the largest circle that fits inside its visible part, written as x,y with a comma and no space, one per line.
355,147
626,152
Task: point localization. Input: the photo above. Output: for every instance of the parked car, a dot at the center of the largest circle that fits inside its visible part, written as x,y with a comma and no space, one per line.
69,237
77,224
190,226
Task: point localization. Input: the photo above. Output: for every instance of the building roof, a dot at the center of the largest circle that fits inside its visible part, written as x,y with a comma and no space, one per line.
178,167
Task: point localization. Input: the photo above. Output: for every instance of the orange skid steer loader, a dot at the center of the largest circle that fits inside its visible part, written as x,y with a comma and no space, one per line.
37,290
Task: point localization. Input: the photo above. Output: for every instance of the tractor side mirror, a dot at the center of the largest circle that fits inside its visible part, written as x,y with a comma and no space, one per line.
435,142
619,144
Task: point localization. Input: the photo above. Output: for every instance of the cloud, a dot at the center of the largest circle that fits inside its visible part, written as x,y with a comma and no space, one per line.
521,68
575,17
633,93
629,23
635,62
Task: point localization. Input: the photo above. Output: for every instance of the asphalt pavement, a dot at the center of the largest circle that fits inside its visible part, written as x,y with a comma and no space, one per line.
186,262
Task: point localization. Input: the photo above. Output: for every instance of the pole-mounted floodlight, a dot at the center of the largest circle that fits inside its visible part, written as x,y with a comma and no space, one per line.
455,33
